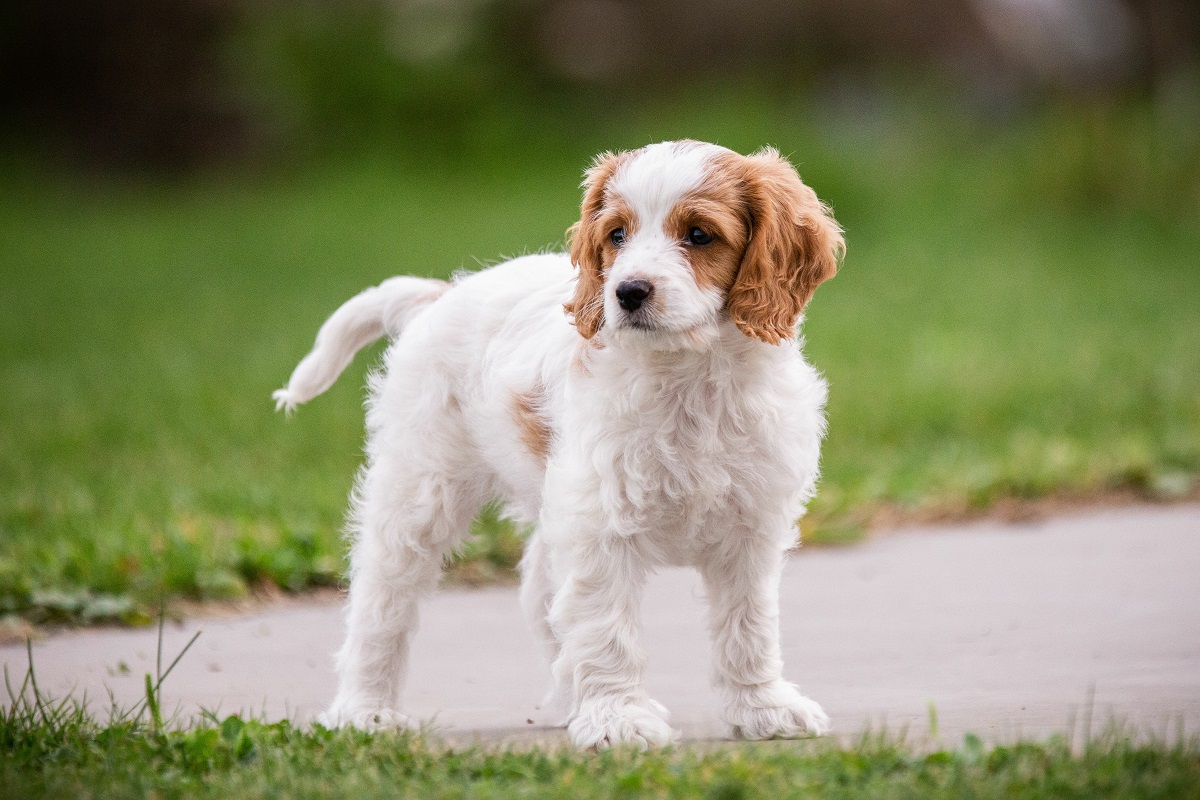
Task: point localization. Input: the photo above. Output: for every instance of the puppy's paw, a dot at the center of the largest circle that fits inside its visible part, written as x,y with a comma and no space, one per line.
606,723
776,710
656,708
379,719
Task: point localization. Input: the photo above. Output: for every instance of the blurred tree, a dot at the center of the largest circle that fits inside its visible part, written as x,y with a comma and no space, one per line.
182,82
138,82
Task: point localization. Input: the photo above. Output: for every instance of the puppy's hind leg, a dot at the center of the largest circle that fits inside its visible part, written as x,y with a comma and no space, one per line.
408,514
537,594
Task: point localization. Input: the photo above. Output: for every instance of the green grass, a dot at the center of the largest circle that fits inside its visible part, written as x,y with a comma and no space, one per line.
248,759
50,749
1016,317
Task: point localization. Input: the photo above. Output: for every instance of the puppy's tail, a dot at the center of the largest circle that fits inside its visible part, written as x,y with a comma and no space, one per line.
380,311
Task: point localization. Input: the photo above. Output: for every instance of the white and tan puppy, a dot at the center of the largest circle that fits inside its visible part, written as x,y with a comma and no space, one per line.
641,402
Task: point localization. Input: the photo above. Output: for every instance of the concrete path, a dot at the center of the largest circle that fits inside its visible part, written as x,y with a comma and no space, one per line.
1007,630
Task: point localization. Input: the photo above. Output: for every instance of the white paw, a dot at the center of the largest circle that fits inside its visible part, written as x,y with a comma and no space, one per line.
656,708
377,719
605,723
776,710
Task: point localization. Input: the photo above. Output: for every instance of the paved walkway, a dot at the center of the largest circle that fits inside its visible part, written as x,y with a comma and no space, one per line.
1007,630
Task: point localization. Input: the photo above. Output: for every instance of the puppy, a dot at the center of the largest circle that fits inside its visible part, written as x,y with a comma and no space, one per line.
640,403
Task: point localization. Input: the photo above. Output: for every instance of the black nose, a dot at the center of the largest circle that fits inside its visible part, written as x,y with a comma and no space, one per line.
631,294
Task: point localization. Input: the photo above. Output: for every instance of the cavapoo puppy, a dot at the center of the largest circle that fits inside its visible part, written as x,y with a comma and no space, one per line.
641,402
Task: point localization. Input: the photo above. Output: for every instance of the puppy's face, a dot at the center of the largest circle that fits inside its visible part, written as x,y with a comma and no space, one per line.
675,236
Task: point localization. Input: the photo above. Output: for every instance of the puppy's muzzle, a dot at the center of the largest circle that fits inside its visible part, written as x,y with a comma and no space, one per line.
632,294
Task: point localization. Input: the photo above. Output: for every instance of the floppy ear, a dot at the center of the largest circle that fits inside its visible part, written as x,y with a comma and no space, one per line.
795,244
586,240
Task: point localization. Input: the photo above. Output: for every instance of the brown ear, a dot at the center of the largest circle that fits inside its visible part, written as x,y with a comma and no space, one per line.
795,244
587,242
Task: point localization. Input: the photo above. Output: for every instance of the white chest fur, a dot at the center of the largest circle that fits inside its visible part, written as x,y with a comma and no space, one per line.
679,448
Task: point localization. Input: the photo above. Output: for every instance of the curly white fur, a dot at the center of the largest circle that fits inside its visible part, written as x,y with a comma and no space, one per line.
684,443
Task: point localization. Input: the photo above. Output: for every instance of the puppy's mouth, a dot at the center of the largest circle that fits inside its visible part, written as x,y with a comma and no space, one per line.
640,321
648,330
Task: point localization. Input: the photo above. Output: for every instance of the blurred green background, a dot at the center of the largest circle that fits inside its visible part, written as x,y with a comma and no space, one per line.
188,188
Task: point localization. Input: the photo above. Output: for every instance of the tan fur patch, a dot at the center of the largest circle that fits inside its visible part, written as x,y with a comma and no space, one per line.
795,245
718,209
590,248
532,427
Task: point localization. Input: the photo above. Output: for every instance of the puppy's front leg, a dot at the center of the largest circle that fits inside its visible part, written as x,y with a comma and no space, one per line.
743,591
595,615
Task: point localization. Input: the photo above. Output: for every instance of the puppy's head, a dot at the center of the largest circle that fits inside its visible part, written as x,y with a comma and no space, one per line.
676,236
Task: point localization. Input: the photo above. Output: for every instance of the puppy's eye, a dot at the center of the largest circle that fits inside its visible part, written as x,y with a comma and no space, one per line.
699,236
617,237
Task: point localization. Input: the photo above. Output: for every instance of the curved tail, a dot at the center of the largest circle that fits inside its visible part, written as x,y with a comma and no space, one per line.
368,316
